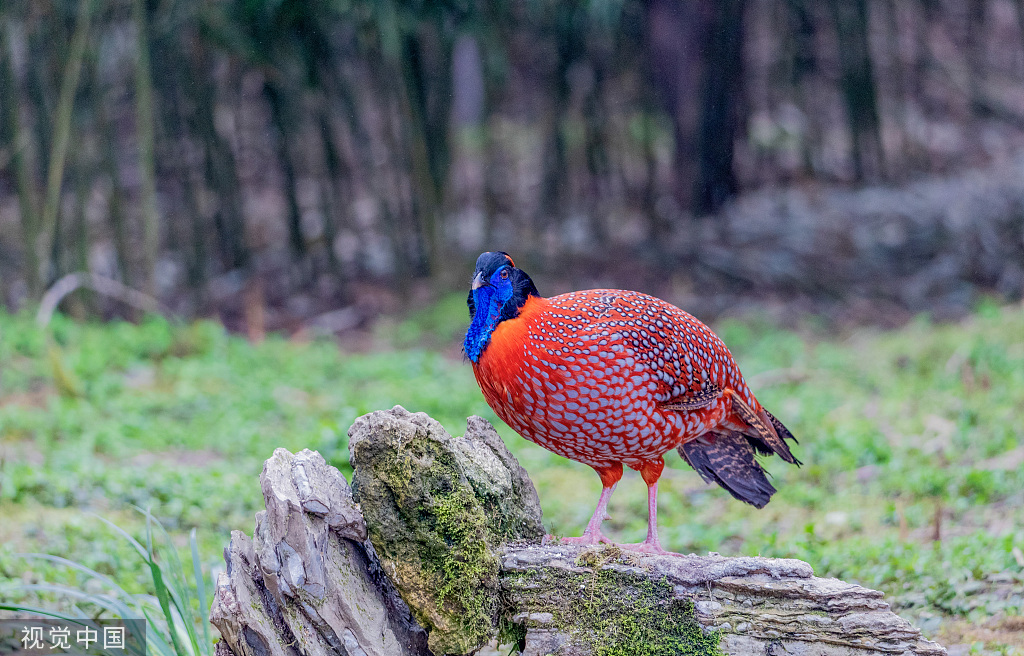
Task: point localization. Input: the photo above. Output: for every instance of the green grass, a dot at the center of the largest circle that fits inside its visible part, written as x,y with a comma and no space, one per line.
896,428
176,612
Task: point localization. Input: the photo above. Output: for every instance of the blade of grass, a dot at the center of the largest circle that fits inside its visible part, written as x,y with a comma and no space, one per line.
159,641
108,603
162,593
180,594
77,567
173,594
120,531
197,571
40,611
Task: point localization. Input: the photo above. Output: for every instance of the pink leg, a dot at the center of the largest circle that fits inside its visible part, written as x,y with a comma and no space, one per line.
592,534
651,544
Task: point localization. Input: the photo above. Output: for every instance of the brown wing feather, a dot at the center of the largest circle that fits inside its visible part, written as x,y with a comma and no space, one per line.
763,429
695,401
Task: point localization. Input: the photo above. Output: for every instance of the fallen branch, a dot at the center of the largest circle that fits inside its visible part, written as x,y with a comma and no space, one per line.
99,284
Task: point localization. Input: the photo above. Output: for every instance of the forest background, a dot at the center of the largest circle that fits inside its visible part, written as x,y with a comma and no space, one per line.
286,159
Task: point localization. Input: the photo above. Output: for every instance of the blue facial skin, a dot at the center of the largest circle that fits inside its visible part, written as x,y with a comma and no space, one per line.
488,300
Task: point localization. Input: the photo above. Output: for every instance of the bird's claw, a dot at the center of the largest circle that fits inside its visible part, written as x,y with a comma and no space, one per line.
648,547
587,538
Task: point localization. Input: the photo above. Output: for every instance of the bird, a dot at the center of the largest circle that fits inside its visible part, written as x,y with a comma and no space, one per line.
614,378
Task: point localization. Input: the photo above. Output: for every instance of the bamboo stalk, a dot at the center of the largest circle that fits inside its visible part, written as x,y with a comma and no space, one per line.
220,173
425,176
1018,6
147,160
12,131
332,197
62,133
280,121
115,204
83,303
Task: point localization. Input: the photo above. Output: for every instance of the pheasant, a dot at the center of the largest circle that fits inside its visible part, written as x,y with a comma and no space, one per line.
609,378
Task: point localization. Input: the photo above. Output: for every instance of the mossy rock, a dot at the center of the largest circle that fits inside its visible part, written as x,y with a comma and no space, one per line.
437,509
600,606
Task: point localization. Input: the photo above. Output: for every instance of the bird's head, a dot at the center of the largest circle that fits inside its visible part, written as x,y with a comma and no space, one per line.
497,292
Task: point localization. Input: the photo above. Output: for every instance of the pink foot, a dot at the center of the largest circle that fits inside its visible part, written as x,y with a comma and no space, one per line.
648,547
587,538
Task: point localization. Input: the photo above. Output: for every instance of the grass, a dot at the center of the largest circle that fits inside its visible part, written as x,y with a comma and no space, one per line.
175,613
903,434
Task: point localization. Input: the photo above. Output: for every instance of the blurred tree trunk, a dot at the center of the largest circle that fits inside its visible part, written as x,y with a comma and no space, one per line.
13,134
975,47
598,165
695,56
281,119
82,302
427,101
220,168
722,99
144,112
553,183
316,53
42,82
47,235
554,160
391,178
175,147
495,179
115,202
857,81
922,65
675,34
800,38
335,189
1018,6
191,238
281,123
567,20
658,224
361,171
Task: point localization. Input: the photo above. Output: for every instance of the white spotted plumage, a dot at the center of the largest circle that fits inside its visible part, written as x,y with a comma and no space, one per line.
594,370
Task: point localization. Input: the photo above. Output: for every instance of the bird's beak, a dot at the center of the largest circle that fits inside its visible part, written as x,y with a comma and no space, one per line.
478,280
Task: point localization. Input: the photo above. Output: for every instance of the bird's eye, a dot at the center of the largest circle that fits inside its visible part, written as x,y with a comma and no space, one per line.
504,274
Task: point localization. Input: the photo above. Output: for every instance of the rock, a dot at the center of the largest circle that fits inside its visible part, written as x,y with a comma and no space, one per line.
438,508
306,583
442,553
572,599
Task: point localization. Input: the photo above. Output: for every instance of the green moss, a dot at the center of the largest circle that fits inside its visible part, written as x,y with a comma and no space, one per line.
468,569
610,613
510,633
441,545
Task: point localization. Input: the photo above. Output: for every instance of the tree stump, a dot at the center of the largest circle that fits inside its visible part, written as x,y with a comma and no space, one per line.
437,549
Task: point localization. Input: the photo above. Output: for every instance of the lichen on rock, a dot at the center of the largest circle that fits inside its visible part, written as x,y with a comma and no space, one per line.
597,605
437,510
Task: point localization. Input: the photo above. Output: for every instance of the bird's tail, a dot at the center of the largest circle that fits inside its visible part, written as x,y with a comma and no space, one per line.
727,458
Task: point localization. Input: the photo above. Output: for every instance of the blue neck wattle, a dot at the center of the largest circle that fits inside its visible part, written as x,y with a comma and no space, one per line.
486,318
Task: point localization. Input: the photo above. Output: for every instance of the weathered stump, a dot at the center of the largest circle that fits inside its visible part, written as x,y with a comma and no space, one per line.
437,550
